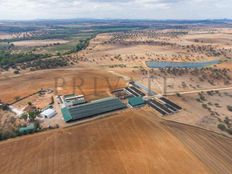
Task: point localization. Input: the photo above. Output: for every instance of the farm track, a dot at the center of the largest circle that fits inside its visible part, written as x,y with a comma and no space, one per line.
200,90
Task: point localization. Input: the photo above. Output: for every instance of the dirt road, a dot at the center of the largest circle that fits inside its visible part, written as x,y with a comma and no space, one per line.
200,90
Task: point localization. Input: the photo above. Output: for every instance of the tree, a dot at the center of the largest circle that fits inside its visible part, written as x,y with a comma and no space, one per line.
24,116
16,72
221,127
4,107
33,114
229,108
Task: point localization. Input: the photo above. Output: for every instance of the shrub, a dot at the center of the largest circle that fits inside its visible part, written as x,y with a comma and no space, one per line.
204,106
24,116
33,114
227,120
4,107
221,127
229,131
229,108
16,72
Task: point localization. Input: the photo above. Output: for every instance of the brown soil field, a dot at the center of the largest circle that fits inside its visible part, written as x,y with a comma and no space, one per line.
212,149
37,101
130,142
5,36
87,80
133,140
34,43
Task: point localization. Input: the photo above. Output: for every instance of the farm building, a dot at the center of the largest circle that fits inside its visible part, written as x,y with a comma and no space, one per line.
136,101
30,128
48,113
72,100
92,109
72,97
69,96
66,114
75,102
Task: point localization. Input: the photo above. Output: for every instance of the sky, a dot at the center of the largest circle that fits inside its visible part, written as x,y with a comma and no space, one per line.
115,9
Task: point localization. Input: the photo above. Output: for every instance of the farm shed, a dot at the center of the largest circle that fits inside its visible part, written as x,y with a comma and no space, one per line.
48,113
66,114
136,101
30,128
92,109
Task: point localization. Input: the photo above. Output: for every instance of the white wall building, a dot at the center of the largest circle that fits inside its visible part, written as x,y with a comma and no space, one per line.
48,113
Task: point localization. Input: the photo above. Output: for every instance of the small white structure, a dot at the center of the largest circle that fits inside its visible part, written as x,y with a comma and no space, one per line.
48,113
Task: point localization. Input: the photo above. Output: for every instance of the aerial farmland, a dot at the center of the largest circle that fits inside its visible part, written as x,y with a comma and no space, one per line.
116,97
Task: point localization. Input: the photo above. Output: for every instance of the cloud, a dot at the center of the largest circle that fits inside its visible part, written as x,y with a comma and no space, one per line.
142,9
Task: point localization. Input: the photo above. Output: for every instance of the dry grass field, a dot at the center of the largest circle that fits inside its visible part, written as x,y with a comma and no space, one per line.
79,80
129,142
133,140
35,43
126,53
6,36
133,48
207,113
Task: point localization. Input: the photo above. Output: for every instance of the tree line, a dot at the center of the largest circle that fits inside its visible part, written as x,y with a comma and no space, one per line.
8,59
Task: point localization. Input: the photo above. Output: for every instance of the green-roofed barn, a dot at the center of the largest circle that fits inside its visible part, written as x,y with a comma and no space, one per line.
29,129
91,109
66,114
136,101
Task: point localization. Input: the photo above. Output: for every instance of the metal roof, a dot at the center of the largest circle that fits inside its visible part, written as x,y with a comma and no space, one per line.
49,112
93,108
136,101
77,102
28,129
69,95
140,85
66,114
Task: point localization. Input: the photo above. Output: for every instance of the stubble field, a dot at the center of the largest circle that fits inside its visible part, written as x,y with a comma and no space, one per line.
130,142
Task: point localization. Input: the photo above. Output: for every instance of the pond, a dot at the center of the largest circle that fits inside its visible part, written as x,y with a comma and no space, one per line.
164,64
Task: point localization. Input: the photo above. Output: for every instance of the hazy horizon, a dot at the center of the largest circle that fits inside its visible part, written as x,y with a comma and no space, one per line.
122,9
110,19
